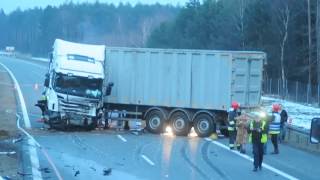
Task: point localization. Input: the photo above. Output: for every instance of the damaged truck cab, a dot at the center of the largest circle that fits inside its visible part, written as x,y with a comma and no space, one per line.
74,84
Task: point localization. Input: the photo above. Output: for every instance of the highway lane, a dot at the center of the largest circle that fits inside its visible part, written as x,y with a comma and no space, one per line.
143,157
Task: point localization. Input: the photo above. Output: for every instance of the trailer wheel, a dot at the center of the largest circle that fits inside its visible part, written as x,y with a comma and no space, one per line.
155,121
180,124
204,125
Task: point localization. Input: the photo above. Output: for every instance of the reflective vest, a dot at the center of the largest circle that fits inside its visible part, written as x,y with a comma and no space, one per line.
274,126
264,136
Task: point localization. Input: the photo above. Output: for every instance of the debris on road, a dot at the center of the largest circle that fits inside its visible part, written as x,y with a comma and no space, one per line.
24,174
8,153
77,173
5,177
45,170
18,139
94,169
107,172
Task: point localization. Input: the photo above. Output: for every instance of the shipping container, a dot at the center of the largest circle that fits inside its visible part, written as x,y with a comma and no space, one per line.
189,81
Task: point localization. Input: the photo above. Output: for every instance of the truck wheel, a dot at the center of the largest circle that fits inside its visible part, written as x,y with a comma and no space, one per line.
180,124
155,121
204,125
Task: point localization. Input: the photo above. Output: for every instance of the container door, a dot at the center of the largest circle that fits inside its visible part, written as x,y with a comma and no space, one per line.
246,80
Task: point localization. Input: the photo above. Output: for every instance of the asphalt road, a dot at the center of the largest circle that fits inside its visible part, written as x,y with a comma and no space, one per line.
90,155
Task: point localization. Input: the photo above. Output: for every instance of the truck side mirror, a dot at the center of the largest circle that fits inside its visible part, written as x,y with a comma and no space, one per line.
315,131
109,88
46,81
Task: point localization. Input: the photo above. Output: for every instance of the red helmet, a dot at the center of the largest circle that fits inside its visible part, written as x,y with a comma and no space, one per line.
276,107
235,105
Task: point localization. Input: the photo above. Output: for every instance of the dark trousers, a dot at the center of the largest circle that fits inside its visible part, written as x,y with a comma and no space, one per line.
232,138
257,154
274,140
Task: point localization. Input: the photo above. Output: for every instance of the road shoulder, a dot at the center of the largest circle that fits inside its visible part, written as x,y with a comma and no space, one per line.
9,152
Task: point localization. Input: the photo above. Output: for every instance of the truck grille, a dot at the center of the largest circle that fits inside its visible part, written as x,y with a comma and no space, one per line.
73,107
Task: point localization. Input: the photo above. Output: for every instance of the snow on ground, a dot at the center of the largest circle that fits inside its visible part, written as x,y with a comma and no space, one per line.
301,115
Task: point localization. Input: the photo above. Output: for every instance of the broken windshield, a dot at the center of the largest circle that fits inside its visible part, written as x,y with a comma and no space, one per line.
78,86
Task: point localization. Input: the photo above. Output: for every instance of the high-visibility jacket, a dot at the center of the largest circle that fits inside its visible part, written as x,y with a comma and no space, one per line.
263,127
274,126
232,114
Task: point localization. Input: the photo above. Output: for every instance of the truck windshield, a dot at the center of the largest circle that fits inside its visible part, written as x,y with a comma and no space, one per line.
78,86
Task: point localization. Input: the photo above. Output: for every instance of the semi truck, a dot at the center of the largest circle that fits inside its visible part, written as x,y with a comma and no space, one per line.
73,85
181,88
163,87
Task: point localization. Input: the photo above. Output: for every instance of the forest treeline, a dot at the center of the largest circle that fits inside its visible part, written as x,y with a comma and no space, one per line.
281,28
34,30
277,27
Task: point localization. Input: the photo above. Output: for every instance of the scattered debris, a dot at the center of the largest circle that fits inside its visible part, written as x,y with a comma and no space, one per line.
77,173
94,169
5,177
45,170
19,139
8,153
135,133
107,172
24,174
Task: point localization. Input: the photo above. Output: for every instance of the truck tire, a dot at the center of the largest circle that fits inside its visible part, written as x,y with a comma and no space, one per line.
203,125
155,122
180,124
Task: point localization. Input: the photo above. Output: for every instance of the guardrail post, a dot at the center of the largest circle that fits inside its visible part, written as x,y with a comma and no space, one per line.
270,86
278,87
308,89
318,95
297,84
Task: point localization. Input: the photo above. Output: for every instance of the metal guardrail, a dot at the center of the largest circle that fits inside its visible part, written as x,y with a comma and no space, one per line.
300,138
299,130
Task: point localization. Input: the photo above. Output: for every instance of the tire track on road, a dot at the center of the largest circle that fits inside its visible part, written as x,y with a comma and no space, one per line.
183,152
205,157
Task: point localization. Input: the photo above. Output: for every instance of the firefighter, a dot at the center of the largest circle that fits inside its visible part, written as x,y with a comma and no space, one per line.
232,114
274,127
258,137
42,104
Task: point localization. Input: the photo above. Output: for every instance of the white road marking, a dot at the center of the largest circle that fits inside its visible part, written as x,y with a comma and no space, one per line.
277,171
122,138
147,160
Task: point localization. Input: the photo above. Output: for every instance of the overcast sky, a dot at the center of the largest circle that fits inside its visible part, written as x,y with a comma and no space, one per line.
10,5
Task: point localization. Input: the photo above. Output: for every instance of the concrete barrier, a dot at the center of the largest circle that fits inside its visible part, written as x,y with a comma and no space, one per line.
299,138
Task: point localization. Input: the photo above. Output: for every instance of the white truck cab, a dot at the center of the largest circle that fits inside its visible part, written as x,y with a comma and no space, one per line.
74,84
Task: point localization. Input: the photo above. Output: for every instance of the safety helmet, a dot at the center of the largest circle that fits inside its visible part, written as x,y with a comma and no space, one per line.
235,105
276,107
